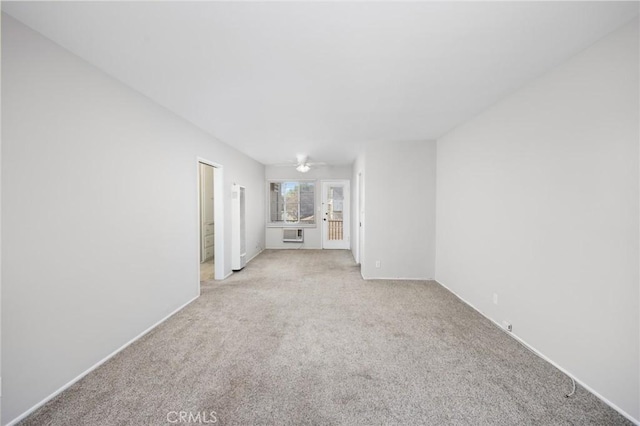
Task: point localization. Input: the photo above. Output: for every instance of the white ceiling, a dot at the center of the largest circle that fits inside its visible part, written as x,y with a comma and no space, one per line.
279,79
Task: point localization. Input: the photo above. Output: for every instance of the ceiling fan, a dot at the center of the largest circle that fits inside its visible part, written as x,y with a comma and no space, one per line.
302,164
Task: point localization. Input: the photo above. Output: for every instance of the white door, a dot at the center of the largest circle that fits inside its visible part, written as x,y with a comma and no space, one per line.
335,215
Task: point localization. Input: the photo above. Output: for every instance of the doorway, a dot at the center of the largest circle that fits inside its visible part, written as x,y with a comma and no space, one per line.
360,220
210,222
335,218
207,224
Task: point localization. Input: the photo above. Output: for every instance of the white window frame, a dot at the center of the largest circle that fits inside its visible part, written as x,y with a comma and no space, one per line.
292,224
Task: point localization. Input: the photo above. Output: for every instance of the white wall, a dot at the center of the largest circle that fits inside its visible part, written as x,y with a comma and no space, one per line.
357,207
99,214
537,201
312,235
1,273
400,210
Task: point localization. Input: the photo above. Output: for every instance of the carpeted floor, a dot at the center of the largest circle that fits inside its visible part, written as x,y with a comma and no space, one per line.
207,270
299,338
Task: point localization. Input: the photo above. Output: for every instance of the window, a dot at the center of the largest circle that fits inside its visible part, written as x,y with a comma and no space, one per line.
292,203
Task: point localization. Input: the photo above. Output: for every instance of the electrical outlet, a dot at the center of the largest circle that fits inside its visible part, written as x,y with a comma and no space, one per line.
377,263
507,325
495,298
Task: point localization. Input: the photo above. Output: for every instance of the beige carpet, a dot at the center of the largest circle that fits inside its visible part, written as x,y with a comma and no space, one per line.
207,270
299,338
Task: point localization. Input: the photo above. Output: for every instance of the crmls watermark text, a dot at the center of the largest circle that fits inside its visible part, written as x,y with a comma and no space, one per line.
191,417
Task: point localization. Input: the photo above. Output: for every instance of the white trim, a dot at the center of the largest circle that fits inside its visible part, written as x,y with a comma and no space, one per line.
238,193
294,246
346,212
218,217
361,220
228,275
199,222
96,365
355,242
544,357
400,279
254,256
291,225
270,224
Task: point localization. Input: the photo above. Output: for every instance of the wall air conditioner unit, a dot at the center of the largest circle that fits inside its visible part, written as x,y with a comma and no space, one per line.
238,230
292,235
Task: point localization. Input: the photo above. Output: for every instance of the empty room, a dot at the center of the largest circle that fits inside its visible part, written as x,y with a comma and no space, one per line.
320,213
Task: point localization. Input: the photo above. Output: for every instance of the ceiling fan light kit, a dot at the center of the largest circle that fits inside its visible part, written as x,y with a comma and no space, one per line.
302,164
303,168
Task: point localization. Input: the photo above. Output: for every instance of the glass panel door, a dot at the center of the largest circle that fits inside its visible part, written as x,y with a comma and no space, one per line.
335,219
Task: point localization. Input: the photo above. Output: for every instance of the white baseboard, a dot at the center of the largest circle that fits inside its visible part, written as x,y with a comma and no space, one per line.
398,279
297,246
255,255
544,357
96,365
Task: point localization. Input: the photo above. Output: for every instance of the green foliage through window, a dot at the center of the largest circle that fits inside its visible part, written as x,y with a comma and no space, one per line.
292,202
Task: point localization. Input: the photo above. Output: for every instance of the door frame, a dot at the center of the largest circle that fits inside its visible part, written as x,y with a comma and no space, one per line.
359,219
218,217
346,214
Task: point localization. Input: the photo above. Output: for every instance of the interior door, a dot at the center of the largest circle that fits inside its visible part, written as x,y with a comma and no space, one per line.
335,215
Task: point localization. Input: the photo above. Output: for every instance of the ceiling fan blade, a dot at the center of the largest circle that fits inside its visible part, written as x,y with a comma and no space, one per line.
305,160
